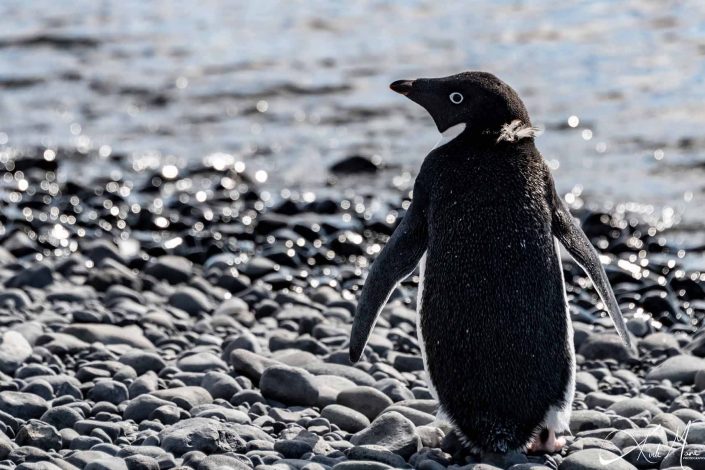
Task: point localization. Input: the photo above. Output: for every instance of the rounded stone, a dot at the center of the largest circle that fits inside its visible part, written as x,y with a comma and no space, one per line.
345,418
290,385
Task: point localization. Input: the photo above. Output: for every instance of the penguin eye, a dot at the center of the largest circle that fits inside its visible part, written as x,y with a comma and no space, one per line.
456,98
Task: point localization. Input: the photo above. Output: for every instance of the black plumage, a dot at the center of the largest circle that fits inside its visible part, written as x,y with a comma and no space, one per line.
493,315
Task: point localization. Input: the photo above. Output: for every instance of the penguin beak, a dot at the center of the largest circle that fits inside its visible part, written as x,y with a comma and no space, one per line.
402,86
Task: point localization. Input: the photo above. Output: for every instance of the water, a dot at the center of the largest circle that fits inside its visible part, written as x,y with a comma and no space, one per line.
290,87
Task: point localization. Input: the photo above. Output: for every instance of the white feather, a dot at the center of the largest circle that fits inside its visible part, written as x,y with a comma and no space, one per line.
517,130
450,134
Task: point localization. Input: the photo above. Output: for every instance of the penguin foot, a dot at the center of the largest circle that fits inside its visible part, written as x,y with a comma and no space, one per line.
546,442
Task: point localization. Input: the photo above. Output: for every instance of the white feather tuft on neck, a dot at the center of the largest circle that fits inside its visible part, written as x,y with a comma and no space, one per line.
517,130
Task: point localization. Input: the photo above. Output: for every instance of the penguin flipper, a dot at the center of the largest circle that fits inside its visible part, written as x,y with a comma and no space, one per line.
578,245
397,260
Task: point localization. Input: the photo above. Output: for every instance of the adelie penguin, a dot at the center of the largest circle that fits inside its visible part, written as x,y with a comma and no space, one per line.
493,321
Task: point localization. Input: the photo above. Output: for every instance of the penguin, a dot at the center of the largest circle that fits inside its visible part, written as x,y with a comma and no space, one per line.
484,222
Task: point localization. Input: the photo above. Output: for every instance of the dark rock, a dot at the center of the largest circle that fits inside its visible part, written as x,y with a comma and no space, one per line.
218,462
646,455
632,437
38,276
690,455
633,406
680,368
14,350
141,462
391,431
354,164
594,459
38,434
146,383
173,269
377,454
61,417
606,346
367,400
109,334
345,418
201,434
22,405
220,385
185,397
201,362
190,300
660,341
289,385
250,364
107,463
585,420
110,391
143,361
139,409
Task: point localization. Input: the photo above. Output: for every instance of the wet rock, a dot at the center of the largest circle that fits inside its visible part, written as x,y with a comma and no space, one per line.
201,434
585,382
632,437
141,462
110,391
354,164
585,420
634,406
109,334
351,373
360,465
140,408
201,362
106,463
593,459
250,364
659,341
345,418
220,385
143,361
191,301
680,368
605,346
6,446
601,399
217,462
646,455
38,276
377,454
185,397
14,350
289,385
690,455
38,434
22,405
418,417
669,421
367,400
173,269
61,417
392,431
146,383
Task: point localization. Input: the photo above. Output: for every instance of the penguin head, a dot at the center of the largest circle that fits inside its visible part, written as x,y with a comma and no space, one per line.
481,101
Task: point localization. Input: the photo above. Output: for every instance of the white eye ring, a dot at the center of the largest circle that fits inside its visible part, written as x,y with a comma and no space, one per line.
456,98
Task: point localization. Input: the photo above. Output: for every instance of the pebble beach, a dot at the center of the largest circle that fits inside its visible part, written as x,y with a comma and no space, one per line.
207,328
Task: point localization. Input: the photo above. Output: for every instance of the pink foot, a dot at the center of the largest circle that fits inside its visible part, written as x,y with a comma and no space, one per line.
546,442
